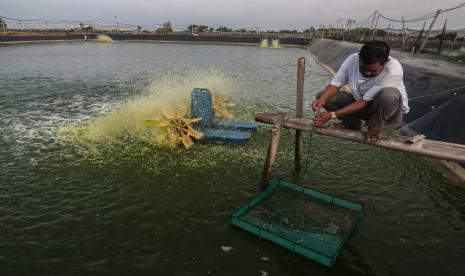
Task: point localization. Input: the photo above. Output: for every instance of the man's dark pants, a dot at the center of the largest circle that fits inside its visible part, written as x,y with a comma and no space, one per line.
386,108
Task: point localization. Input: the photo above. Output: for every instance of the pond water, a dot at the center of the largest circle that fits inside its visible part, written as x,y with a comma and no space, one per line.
87,188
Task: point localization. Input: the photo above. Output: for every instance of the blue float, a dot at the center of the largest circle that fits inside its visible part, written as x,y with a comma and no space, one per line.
218,129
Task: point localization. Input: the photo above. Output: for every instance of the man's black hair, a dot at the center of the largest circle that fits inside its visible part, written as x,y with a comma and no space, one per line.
374,51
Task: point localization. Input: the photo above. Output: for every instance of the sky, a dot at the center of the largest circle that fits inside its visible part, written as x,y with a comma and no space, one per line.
266,14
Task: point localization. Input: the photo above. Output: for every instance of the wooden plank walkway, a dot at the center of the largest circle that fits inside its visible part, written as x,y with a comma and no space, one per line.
430,148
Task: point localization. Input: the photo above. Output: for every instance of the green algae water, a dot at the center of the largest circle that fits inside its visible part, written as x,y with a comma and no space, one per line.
86,188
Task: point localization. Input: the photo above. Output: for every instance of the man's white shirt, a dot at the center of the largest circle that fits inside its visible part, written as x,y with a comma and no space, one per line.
368,88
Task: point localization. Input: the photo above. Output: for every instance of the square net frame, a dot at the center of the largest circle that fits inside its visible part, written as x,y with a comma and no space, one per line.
318,229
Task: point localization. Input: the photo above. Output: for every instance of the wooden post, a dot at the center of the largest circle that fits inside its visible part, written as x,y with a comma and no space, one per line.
443,36
3,27
371,26
272,150
386,37
374,29
363,34
342,30
420,35
357,36
427,32
349,29
347,33
299,112
403,33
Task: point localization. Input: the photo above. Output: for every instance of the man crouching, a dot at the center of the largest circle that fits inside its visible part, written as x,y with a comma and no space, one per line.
377,95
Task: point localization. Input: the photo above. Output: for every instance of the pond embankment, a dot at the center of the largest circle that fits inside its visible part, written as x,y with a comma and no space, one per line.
180,38
5,39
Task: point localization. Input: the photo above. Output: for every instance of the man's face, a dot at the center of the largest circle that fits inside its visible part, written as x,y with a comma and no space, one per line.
370,70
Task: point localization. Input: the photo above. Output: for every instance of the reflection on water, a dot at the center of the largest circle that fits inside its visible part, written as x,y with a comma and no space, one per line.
111,201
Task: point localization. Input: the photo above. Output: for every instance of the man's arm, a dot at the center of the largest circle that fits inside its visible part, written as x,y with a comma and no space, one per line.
338,80
328,93
346,110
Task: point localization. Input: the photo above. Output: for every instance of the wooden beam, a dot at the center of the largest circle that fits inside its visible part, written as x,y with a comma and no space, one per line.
430,148
292,123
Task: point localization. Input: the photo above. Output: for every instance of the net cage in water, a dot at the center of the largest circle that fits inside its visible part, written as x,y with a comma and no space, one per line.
308,222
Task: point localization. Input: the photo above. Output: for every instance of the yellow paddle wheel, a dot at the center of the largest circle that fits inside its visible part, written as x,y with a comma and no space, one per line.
220,106
177,127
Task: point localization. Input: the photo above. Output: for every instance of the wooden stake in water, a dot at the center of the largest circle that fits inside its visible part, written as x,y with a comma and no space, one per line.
299,112
272,150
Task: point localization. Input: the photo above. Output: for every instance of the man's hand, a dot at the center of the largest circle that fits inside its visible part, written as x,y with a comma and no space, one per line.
316,105
372,135
322,118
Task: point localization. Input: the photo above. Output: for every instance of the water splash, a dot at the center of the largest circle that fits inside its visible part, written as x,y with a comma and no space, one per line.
104,38
128,120
264,43
275,43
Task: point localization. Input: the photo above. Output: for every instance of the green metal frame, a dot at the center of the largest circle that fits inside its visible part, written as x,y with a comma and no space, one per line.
310,253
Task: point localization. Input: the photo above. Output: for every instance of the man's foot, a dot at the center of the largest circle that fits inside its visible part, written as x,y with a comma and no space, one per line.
372,135
345,125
